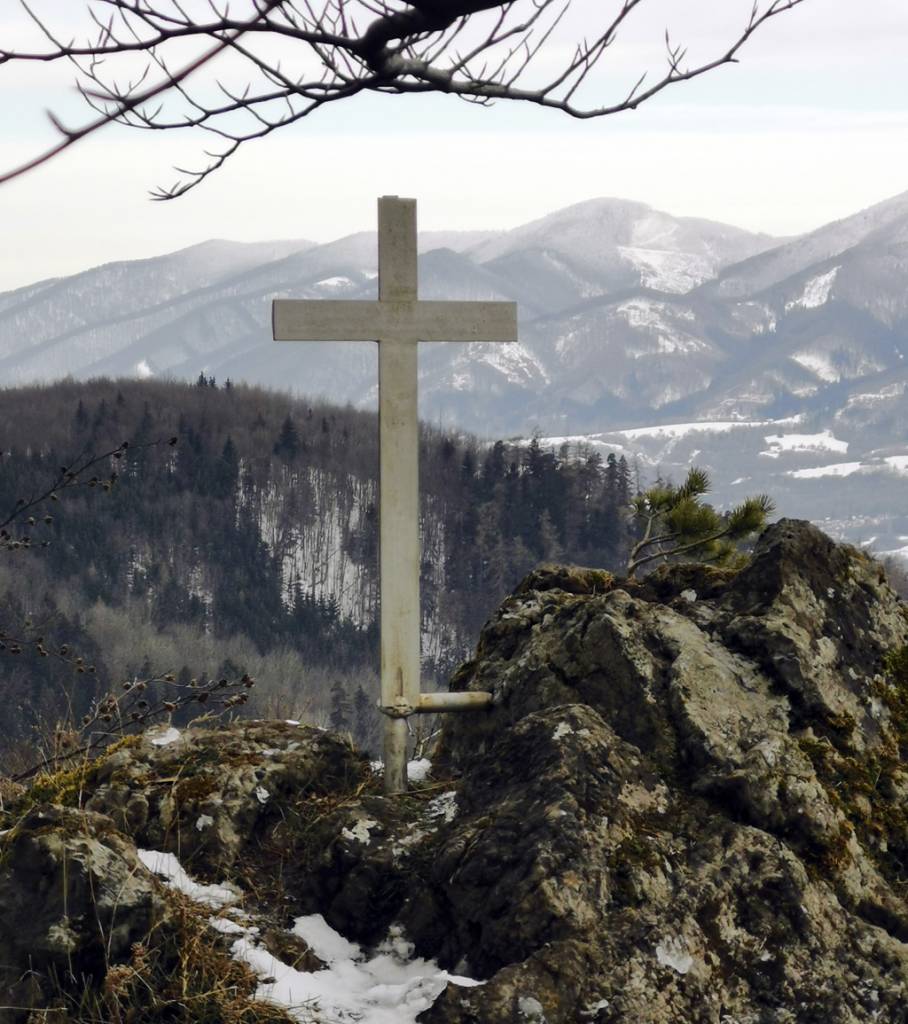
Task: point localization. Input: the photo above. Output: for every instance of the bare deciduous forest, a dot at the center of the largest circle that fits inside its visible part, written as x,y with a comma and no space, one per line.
251,545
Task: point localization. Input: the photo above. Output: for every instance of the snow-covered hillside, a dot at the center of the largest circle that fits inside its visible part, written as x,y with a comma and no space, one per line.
628,316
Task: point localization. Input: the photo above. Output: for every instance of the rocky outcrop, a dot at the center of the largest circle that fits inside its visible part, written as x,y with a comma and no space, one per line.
216,795
686,803
704,794
74,898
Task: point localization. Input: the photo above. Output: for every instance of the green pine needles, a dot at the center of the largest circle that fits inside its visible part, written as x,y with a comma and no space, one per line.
677,521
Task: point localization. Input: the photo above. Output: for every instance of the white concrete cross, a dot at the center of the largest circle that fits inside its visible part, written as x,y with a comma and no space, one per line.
398,321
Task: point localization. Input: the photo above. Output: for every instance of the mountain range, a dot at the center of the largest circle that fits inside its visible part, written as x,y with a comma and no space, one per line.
631,319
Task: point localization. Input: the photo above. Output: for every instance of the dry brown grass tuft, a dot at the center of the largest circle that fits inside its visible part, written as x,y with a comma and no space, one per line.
181,973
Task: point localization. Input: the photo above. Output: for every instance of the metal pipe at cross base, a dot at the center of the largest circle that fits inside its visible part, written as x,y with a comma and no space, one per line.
436,703
395,736
465,700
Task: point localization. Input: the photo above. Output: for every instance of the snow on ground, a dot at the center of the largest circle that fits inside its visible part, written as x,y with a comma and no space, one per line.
672,952
668,270
419,769
167,867
816,291
649,313
515,362
836,469
165,738
443,808
871,398
897,462
333,282
389,987
675,430
825,441
819,364
416,770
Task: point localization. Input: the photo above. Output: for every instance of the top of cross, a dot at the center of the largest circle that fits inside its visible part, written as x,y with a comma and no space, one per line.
398,315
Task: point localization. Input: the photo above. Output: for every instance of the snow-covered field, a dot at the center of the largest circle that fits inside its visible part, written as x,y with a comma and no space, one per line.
855,491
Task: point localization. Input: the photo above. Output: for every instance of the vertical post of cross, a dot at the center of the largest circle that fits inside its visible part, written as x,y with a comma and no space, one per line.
398,321
399,556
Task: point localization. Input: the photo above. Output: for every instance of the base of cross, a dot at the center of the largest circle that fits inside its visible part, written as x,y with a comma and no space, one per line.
395,744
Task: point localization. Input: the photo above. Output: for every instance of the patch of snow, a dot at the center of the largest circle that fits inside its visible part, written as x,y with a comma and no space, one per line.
444,806
323,940
594,1008
885,394
644,313
360,831
804,390
334,282
836,469
656,317
689,595
419,769
203,821
673,953
675,430
897,462
667,270
562,729
513,360
389,987
167,737
143,370
818,363
167,867
261,794
816,291
825,441
227,927
531,1009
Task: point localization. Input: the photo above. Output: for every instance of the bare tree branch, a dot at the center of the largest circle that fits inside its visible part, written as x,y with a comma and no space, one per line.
338,48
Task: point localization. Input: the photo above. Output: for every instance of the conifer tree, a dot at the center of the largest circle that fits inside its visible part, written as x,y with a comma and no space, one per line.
364,718
288,442
676,521
341,708
81,417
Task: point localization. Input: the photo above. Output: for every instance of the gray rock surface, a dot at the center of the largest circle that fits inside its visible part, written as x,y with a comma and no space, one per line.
74,898
686,803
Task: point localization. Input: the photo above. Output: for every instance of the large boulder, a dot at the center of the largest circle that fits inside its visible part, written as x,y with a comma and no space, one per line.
687,801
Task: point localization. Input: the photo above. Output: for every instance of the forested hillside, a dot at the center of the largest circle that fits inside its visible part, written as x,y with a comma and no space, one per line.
251,544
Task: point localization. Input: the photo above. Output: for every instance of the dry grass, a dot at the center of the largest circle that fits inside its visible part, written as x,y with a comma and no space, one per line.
181,973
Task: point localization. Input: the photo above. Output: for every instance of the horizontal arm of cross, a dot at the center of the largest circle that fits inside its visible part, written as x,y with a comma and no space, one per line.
354,320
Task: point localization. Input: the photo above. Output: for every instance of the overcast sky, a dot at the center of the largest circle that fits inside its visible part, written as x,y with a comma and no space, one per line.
811,125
